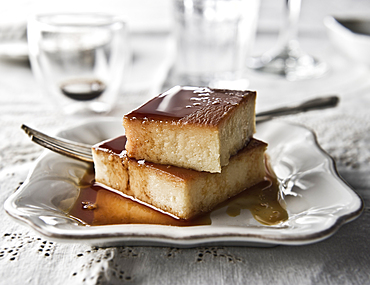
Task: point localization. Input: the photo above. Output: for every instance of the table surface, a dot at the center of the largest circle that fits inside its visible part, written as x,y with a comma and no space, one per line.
343,132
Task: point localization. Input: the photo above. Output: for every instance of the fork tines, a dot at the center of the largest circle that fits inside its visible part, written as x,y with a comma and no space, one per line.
65,147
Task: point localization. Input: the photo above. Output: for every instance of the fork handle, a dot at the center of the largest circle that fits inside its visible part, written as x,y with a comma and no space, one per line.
313,104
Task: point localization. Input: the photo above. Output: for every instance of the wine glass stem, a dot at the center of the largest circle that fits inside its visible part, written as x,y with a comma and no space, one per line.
289,30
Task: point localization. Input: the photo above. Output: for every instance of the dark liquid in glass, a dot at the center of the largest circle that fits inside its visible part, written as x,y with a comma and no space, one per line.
83,89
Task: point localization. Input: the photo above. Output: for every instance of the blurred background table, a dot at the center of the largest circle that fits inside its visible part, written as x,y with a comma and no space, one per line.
344,132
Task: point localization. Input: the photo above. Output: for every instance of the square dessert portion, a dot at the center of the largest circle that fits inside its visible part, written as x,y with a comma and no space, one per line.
110,163
184,193
191,127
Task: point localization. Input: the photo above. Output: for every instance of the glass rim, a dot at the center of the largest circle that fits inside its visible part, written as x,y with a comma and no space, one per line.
77,20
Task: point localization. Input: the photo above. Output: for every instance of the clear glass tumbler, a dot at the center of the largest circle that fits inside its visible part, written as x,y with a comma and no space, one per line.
79,59
214,38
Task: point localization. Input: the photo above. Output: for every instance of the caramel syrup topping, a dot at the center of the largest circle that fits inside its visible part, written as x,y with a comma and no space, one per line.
191,104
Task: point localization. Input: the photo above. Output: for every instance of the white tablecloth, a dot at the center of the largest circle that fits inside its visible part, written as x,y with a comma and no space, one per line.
344,132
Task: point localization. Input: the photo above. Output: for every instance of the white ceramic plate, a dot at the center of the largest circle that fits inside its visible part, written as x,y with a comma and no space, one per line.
318,201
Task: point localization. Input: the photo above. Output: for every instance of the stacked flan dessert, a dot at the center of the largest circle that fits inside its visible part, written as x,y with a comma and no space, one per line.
185,151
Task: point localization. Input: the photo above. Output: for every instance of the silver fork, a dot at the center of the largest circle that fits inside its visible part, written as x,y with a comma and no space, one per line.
62,146
82,151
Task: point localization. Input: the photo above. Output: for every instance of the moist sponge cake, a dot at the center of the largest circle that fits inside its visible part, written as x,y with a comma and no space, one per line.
191,127
110,163
184,193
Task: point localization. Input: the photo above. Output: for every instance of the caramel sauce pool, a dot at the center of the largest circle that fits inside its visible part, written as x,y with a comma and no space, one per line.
97,205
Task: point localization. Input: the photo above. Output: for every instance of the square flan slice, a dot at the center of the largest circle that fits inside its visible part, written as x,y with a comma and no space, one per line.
191,127
110,163
181,192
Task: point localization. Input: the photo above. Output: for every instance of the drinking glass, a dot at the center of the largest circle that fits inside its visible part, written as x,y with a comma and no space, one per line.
287,58
79,59
213,39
